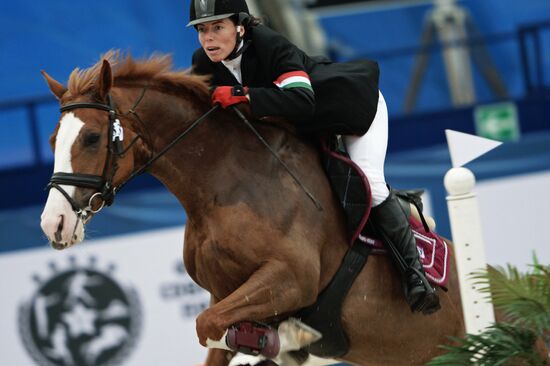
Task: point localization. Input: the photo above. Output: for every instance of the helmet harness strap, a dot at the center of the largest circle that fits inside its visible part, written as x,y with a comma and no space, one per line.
242,19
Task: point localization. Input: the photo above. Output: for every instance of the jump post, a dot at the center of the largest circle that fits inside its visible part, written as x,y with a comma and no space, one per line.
466,226
469,250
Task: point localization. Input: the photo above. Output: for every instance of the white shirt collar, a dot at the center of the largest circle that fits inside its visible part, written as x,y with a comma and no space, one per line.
234,66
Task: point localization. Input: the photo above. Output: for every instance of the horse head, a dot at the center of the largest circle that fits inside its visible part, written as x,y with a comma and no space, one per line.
90,156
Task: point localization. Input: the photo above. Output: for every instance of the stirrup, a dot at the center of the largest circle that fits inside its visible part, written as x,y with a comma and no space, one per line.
428,303
254,338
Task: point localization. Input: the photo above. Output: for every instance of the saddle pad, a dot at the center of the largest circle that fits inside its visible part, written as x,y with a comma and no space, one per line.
433,251
352,188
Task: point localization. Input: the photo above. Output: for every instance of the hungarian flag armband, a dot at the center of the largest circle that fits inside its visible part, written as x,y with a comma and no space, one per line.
294,79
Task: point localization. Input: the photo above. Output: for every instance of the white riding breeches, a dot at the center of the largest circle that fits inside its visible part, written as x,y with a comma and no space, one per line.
369,152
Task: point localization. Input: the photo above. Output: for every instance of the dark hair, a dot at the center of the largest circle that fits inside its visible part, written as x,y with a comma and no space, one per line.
253,21
248,21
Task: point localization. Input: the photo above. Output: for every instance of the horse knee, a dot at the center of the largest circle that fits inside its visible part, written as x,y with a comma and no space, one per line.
310,295
209,325
302,294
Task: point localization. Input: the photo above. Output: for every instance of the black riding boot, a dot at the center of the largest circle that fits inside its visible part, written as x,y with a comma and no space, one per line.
391,221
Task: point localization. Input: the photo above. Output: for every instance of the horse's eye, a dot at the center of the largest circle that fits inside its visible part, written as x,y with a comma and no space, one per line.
91,139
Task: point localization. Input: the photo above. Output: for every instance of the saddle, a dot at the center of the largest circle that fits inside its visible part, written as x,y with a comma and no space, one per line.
351,186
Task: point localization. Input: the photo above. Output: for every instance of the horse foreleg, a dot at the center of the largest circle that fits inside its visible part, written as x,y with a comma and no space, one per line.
274,289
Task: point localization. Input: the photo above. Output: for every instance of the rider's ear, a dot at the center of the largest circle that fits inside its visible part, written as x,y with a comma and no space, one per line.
55,86
105,81
241,30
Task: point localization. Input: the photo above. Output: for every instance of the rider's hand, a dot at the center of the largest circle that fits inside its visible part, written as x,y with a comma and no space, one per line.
229,95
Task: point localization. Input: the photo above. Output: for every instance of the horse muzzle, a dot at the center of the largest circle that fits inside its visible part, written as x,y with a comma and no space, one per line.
62,226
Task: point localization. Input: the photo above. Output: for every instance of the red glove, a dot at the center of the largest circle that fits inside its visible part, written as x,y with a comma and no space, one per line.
229,95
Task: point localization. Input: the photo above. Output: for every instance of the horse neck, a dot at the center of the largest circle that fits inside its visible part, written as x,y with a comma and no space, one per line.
190,168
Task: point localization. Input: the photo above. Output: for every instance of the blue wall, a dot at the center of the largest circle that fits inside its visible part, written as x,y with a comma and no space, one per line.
59,35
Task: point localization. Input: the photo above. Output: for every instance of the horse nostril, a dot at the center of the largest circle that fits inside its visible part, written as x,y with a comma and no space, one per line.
59,229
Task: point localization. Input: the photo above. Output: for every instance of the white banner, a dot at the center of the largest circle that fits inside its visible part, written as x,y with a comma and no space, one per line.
514,214
124,300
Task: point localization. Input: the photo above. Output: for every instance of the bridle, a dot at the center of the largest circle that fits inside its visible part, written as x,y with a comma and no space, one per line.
103,184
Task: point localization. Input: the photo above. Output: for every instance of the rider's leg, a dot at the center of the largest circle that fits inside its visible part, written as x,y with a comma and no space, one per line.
369,152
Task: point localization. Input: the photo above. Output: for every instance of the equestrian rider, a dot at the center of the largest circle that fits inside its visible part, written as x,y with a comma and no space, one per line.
250,63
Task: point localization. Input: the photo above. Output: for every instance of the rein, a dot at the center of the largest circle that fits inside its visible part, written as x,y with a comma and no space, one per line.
168,147
274,153
104,183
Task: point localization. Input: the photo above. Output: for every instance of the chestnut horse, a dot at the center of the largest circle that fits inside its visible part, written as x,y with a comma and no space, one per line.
253,239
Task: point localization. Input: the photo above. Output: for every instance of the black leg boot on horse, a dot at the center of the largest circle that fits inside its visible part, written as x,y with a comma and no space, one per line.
391,221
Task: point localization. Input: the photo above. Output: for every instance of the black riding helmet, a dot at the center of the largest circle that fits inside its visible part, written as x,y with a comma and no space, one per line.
209,10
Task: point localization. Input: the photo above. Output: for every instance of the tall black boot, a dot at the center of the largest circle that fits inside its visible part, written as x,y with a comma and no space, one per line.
391,221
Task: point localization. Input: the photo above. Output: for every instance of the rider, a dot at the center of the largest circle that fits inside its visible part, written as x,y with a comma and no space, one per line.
250,63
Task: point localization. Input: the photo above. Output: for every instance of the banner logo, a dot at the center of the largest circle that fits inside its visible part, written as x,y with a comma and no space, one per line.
80,316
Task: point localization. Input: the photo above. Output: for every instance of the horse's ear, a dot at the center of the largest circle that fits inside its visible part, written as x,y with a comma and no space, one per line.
55,86
105,81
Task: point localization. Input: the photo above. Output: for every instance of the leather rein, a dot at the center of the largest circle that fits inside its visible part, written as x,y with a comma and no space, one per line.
103,183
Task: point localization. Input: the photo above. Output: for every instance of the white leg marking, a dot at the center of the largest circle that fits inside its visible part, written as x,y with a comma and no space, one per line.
221,344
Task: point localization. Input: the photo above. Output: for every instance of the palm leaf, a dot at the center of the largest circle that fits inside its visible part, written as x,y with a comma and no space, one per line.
525,301
523,298
501,344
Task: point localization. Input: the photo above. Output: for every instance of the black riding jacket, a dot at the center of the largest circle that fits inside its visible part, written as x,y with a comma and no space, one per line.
344,96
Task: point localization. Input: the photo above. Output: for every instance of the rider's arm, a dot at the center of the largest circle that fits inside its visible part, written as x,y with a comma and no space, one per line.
291,94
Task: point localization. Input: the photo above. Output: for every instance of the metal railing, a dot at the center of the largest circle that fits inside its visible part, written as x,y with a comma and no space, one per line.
529,38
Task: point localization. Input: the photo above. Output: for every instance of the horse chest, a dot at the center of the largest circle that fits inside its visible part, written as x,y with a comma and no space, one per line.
218,267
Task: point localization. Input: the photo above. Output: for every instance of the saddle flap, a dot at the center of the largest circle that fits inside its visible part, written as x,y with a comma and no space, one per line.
350,185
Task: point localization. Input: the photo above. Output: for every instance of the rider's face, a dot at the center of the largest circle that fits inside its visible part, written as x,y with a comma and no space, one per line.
218,38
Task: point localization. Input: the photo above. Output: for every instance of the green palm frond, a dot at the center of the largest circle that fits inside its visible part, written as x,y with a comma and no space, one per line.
525,301
501,344
523,298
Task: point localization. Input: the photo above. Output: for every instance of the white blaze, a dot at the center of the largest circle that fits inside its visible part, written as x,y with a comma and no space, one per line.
57,205
69,128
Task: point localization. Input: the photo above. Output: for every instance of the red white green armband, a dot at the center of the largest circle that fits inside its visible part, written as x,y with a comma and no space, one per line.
294,79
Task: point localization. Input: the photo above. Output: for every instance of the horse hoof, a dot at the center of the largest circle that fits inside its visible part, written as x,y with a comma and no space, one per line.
266,363
297,334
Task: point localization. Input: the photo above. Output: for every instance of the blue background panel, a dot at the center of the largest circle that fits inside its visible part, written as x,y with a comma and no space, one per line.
15,138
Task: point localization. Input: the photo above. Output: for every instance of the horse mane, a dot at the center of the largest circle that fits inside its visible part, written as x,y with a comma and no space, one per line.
155,71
